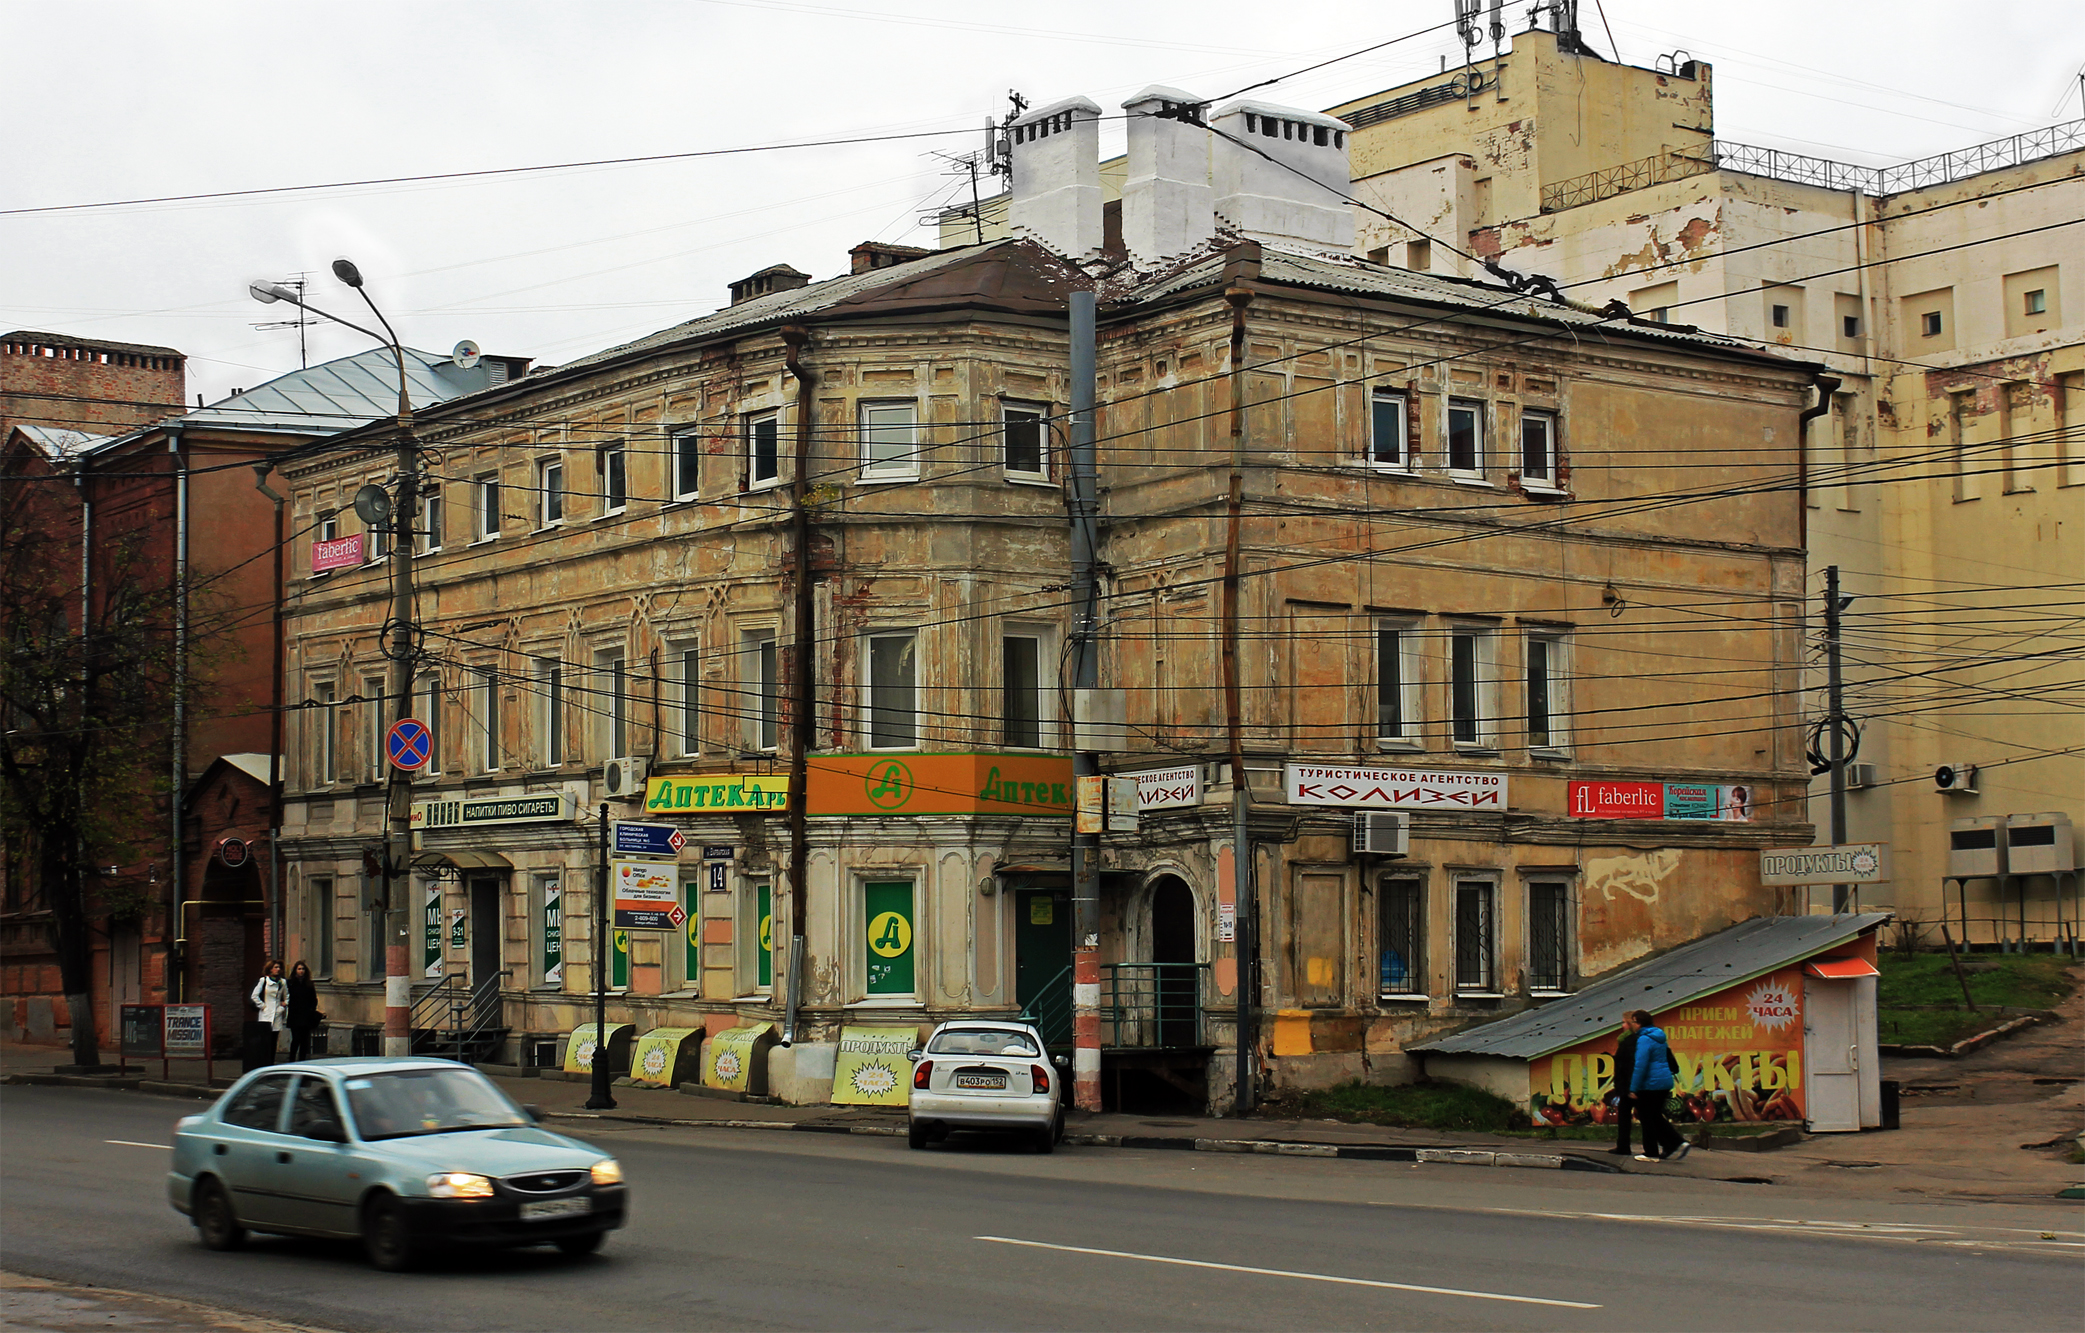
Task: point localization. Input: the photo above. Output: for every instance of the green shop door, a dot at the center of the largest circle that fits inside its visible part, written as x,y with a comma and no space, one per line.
887,912
1042,960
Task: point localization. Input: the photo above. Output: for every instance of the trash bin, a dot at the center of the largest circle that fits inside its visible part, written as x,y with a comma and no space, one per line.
256,1046
1889,1103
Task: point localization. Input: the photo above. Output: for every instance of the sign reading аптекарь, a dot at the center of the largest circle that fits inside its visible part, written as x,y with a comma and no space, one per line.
1395,788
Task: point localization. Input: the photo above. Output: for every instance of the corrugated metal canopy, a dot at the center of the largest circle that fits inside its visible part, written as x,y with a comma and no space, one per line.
1740,953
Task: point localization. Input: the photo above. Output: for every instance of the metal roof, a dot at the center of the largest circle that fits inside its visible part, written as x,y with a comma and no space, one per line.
60,443
338,395
1689,972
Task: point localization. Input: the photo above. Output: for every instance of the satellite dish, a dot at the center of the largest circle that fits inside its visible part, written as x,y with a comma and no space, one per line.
466,354
373,505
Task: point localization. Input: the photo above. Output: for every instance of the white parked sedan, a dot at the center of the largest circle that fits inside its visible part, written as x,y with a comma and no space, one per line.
976,1074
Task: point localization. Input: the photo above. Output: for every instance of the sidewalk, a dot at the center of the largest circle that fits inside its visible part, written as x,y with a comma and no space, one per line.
1991,1126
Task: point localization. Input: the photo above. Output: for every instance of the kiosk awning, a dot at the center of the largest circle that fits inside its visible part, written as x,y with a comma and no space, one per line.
1841,969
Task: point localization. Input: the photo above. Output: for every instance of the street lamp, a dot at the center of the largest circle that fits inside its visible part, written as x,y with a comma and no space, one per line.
398,994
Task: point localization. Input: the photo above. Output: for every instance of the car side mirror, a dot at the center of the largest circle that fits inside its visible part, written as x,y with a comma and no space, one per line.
915,1056
532,1111
325,1131
1061,1061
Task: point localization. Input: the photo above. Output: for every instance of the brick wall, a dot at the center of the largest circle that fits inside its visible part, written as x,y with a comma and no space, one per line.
101,388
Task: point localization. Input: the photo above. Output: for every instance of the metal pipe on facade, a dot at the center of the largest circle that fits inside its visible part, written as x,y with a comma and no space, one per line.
1826,386
803,666
177,795
278,913
601,1099
1243,268
1834,722
1085,600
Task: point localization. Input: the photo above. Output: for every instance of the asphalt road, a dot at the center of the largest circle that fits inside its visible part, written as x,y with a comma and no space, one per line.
741,1229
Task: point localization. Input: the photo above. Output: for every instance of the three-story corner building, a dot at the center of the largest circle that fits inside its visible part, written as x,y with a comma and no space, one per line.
1527,576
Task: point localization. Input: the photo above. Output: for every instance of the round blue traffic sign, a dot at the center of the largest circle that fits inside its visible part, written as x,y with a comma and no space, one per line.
409,743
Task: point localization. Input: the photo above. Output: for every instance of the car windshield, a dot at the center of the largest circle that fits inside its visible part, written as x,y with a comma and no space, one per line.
981,1041
427,1101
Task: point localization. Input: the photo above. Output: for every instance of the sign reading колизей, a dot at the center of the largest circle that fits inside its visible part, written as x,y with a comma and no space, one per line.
1395,788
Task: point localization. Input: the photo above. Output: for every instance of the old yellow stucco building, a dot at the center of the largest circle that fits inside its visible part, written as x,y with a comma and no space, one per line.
1527,578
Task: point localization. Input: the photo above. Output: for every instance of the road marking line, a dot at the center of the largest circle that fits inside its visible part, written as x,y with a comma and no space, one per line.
1284,1272
1993,1237
132,1143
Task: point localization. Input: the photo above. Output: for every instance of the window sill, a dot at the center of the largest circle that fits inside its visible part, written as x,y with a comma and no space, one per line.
886,479
1030,479
1465,479
1480,995
1549,995
761,487
540,529
1548,753
886,1002
486,541
1544,489
1404,999
1474,750
1385,470
1400,746
605,515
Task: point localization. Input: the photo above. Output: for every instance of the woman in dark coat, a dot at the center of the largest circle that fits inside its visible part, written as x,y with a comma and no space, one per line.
304,1011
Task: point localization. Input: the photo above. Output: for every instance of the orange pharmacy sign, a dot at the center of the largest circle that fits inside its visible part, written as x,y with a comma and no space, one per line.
1033,785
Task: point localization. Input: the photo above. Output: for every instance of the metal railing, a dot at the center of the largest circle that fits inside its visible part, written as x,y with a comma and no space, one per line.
1049,1011
1152,1006
456,1015
1591,188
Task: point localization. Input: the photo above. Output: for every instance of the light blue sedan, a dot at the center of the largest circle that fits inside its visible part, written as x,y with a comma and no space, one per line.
405,1154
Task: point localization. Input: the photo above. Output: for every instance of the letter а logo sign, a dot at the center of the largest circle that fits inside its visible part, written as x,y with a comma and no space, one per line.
889,784
890,935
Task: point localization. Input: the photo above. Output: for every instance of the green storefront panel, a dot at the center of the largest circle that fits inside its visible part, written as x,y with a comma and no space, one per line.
887,909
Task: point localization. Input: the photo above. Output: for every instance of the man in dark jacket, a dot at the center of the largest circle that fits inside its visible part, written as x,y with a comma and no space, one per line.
1624,1101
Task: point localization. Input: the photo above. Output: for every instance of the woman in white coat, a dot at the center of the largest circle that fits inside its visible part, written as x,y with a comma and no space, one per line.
271,995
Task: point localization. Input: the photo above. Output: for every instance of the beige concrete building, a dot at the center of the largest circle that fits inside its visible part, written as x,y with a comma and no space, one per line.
1943,294
1518,695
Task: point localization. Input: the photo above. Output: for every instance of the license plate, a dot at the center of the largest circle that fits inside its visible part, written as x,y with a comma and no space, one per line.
548,1208
996,1082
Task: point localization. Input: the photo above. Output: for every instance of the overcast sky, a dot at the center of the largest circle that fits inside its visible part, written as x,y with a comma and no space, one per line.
110,100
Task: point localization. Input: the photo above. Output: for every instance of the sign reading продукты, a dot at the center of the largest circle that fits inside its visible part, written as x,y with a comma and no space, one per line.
663,841
1847,863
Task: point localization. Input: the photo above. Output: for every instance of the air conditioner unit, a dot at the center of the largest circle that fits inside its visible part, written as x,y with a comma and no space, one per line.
2039,844
1955,779
1859,776
1975,848
625,777
1382,835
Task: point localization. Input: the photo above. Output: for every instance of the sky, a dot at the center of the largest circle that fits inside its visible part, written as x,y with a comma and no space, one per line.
112,100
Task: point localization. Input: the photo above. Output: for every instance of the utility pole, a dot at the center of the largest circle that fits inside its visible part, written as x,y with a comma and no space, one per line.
1241,270
1835,722
1085,597
601,1098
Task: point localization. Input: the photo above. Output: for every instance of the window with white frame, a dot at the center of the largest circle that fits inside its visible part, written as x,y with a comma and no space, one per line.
1472,655
1549,935
318,892
429,708
1538,450
430,535
760,688
550,695
684,662
325,749
486,697
1021,659
763,450
1547,702
1025,425
615,479
329,526
550,492
1401,936
485,516
373,710
379,540
893,692
890,440
1476,937
687,464
1466,438
1397,681
371,947
612,699
1387,420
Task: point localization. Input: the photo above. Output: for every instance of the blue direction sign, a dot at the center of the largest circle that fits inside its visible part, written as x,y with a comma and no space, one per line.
660,840
409,743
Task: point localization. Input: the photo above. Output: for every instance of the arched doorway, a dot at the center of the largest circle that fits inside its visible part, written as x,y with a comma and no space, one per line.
1173,948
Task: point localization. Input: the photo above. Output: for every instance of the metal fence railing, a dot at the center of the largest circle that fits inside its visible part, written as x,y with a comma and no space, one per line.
1153,1006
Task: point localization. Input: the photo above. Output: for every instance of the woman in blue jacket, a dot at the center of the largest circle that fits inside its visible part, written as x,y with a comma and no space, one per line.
1651,1081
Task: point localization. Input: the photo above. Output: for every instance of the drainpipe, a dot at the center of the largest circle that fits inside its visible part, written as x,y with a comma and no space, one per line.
1243,268
178,752
277,910
803,659
1085,847
1826,386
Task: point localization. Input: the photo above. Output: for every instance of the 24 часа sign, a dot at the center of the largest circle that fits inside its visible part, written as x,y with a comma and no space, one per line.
1740,1053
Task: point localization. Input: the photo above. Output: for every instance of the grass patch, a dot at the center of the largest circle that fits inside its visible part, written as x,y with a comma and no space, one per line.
1406,1106
1919,1001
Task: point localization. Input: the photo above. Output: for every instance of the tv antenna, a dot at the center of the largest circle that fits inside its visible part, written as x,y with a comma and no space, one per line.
302,322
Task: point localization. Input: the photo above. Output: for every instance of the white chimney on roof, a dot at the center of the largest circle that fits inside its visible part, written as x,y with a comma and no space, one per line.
1294,187
1167,207
1056,171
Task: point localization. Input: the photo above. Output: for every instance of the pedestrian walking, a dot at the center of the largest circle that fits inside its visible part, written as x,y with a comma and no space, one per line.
1623,1099
1651,1081
304,1012
271,996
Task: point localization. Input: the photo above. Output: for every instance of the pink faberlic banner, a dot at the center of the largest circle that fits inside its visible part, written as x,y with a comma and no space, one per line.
345,553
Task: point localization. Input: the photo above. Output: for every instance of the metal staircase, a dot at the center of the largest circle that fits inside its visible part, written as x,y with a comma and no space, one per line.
460,1021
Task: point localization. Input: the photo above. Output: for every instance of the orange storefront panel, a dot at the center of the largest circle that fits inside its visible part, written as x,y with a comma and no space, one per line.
940,784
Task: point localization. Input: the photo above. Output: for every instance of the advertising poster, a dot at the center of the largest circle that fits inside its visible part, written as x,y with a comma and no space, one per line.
143,1031
655,1060
431,947
887,963
584,1042
553,936
1740,1053
727,1062
187,1029
871,1068
1728,803
646,894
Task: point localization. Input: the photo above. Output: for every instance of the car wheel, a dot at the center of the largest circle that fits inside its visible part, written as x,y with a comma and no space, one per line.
215,1221
915,1135
385,1237
577,1245
1046,1138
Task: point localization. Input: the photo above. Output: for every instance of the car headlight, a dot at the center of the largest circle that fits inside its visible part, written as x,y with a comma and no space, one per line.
608,1171
459,1185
